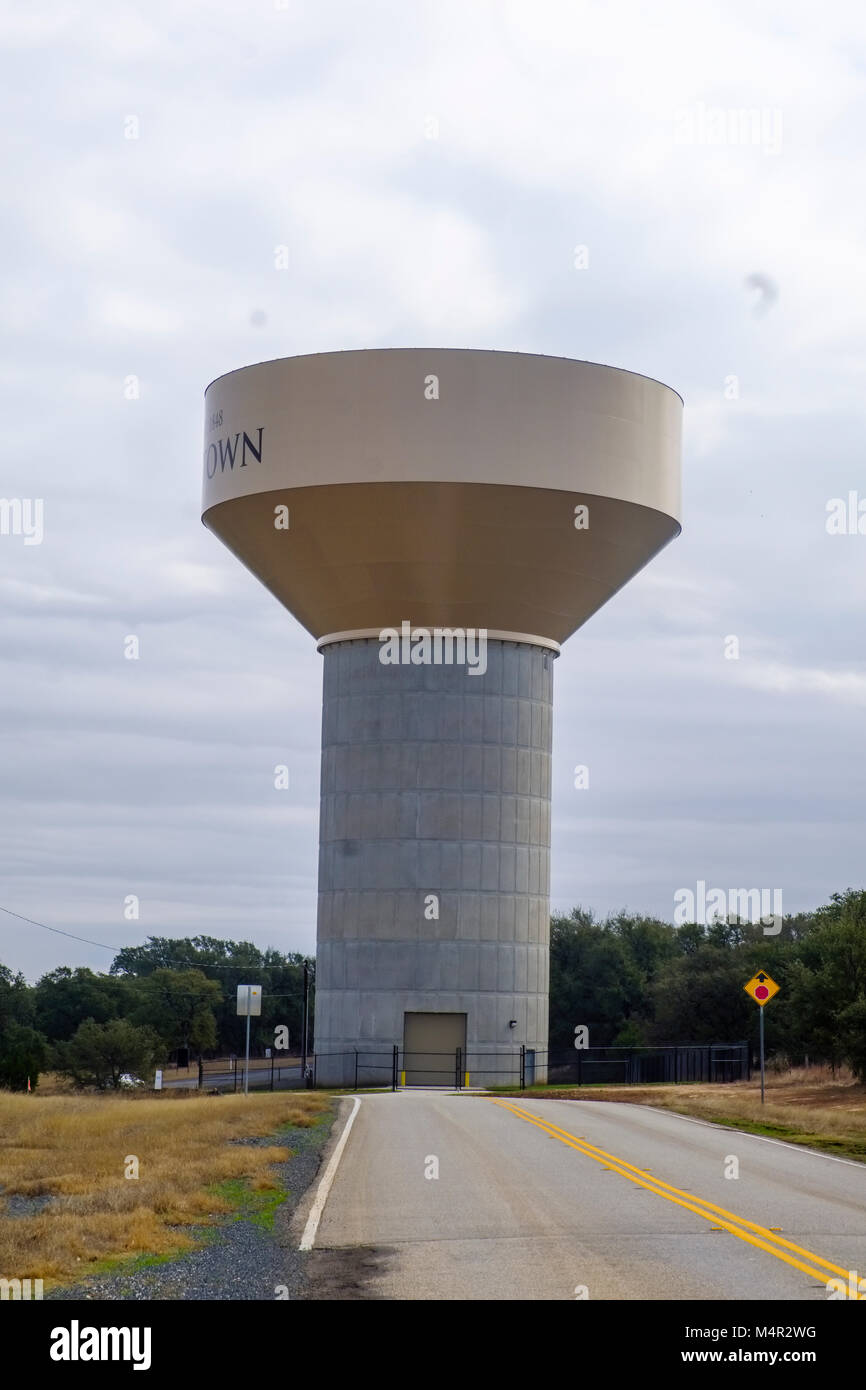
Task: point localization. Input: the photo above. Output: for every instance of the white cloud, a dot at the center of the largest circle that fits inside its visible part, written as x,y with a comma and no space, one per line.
777,678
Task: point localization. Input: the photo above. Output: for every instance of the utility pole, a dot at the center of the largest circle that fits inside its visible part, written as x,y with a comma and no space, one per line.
304,1026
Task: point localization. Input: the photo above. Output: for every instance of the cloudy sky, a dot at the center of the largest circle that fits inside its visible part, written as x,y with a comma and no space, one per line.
431,169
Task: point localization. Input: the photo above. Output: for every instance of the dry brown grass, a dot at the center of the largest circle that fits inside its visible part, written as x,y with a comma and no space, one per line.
75,1148
51,1083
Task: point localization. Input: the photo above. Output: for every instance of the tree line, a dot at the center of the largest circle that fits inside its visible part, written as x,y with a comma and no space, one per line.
629,979
634,980
162,999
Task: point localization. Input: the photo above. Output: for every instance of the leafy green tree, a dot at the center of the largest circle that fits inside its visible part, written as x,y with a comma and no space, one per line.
631,1034
828,982
691,936
179,1005
229,963
593,981
64,998
98,1054
852,1025
22,1056
700,998
158,953
16,999
649,942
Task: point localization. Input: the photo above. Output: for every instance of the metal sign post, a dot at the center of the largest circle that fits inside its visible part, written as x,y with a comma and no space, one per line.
761,988
761,1030
249,1003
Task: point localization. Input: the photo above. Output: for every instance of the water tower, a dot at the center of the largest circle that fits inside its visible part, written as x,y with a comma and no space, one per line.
393,500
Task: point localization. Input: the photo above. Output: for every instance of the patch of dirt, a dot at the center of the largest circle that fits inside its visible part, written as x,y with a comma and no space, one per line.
345,1275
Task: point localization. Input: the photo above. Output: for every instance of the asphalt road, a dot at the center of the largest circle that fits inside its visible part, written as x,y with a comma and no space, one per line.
540,1199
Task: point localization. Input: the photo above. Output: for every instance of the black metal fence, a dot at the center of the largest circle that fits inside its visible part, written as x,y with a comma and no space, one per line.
394,1067
630,1066
227,1075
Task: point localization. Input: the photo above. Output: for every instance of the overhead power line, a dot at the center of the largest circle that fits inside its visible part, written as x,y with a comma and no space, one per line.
174,961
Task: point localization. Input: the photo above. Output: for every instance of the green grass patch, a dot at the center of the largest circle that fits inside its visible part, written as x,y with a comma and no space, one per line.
147,1262
259,1207
132,1264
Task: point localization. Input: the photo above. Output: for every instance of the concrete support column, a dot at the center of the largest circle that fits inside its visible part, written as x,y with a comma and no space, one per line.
434,859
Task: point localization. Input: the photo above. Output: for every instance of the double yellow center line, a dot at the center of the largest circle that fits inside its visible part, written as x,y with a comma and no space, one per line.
738,1226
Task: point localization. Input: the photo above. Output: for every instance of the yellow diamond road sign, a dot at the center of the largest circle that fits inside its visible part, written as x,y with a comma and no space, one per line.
761,988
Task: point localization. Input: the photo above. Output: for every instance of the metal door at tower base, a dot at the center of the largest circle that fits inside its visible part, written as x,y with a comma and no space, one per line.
529,1067
430,1044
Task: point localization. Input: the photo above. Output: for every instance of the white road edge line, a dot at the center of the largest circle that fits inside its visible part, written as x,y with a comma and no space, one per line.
708,1124
309,1236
